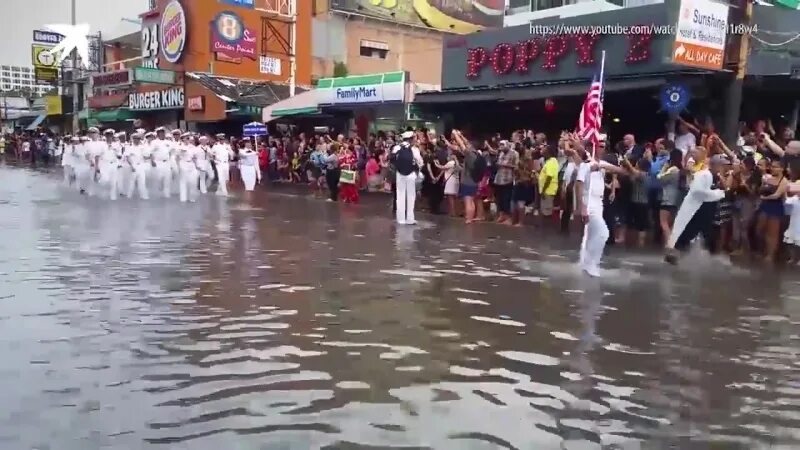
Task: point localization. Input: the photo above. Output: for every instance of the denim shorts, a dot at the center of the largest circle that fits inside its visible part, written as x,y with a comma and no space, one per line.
467,190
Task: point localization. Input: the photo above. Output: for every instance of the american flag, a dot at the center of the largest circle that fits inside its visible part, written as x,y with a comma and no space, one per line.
591,116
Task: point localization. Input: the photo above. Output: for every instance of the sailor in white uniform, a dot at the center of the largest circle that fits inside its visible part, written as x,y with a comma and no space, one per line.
95,149
590,184
82,163
135,157
203,164
174,141
222,154
149,170
66,147
187,160
123,174
109,162
162,168
696,214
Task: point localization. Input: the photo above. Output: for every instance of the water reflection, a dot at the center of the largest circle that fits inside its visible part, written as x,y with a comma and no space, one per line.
297,324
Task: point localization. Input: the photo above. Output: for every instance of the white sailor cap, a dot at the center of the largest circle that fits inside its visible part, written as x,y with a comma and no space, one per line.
204,138
220,135
109,131
177,131
141,131
74,139
136,135
185,135
94,130
160,129
407,135
121,134
85,139
149,134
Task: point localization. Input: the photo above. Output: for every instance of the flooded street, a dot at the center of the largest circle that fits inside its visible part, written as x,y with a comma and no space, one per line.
299,324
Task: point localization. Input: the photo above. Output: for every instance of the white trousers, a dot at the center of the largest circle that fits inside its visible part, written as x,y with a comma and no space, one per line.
248,177
109,178
163,177
595,235
84,177
138,180
124,176
188,182
223,173
69,174
406,197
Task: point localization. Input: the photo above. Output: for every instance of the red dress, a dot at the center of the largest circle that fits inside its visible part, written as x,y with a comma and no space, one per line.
348,192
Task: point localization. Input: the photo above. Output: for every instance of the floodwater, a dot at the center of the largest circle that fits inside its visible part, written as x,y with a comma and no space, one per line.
298,324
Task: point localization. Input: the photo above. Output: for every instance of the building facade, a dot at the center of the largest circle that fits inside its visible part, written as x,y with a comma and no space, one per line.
206,62
20,79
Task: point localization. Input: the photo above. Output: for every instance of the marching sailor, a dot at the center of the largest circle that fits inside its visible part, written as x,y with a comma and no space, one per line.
149,171
119,145
136,156
696,214
95,149
203,166
162,168
108,162
589,188
67,146
222,154
82,164
174,141
188,163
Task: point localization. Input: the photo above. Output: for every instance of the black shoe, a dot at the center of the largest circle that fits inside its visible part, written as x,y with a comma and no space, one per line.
671,259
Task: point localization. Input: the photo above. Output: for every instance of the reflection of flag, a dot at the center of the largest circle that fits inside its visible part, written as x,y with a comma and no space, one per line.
793,4
591,116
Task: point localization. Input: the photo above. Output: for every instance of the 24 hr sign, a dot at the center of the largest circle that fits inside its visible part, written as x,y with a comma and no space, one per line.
149,101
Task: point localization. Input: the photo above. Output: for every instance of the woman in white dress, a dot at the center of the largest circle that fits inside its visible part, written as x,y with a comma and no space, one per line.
451,184
248,166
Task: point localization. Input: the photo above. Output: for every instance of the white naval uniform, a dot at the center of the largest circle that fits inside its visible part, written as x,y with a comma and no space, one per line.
162,166
174,149
67,162
82,166
595,232
110,162
248,166
203,167
407,189
187,161
700,192
95,150
137,157
149,170
222,156
123,173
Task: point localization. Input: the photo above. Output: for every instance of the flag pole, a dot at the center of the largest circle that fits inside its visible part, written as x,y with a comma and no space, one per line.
602,73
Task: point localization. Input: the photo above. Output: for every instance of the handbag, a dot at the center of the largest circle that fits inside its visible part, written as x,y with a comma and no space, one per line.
347,176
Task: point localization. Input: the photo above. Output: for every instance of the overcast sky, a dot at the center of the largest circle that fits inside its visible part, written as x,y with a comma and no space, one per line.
20,17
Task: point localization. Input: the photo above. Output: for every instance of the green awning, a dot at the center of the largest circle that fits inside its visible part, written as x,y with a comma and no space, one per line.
112,115
295,111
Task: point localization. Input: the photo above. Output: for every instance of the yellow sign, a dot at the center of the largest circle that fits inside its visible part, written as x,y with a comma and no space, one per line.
42,56
53,105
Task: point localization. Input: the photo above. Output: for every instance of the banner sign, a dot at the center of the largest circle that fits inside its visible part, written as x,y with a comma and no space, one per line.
173,31
254,129
197,103
377,88
43,57
107,101
269,65
155,76
112,79
674,98
156,100
47,37
52,105
45,75
230,38
700,34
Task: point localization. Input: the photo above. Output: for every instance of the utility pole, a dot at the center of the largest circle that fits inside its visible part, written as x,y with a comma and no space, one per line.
293,45
733,97
75,84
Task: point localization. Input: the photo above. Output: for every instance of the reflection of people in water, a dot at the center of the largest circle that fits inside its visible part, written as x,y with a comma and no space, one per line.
459,16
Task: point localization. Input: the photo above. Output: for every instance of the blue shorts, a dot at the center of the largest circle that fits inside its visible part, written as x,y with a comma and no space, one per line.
468,190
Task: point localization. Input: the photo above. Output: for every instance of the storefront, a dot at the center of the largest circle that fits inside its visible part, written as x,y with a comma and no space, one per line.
362,104
527,76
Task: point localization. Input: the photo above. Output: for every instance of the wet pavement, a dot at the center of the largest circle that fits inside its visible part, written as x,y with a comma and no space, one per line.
298,324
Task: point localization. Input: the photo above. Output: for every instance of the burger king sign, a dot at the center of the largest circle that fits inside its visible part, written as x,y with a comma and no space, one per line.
173,31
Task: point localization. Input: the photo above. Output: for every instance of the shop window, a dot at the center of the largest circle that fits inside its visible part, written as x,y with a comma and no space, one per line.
374,49
521,4
539,5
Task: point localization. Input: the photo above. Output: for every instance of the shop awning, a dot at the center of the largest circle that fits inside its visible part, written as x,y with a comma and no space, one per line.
36,122
301,104
112,115
244,92
532,92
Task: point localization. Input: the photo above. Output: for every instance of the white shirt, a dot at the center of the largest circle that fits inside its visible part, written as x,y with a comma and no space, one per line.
135,154
187,154
221,153
79,152
160,150
684,142
202,153
593,187
248,157
569,170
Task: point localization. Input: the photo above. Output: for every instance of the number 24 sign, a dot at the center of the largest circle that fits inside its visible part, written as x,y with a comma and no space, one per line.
150,45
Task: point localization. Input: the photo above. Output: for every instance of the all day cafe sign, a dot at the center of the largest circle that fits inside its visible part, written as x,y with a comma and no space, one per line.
359,89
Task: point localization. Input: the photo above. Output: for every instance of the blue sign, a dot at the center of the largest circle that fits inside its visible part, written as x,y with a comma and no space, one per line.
674,98
243,3
47,37
254,129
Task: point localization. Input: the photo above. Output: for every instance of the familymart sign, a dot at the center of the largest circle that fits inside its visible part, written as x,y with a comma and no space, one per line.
377,88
